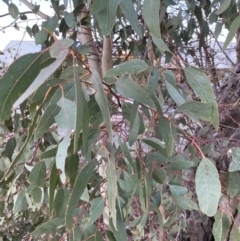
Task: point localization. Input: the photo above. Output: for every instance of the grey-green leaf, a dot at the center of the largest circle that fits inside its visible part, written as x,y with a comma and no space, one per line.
79,186
13,10
129,89
134,66
224,5
200,83
208,187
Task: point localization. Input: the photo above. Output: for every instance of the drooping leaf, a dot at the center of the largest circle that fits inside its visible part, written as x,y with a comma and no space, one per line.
107,17
134,124
175,95
41,77
234,152
96,210
58,46
159,176
153,81
160,44
202,86
112,190
217,226
61,201
150,14
99,6
185,203
102,102
233,188
232,31
178,190
134,66
166,130
20,202
224,5
52,185
80,184
38,174
69,19
13,10
17,79
208,187
234,233
62,155
129,89
128,10
201,110
48,227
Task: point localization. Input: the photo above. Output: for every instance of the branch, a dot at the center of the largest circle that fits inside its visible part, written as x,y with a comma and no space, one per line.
106,54
6,14
32,6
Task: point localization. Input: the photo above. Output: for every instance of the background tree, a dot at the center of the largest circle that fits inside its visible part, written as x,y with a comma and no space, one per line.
102,141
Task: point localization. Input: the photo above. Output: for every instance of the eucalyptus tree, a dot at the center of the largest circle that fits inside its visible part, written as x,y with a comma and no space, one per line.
97,140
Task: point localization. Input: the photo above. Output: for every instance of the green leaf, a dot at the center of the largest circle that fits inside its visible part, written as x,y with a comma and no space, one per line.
153,81
178,190
20,202
13,10
17,79
58,46
234,152
54,177
165,129
233,180
154,143
61,201
232,31
201,110
48,227
135,66
96,210
128,10
208,187
26,142
102,102
98,6
41,36
112,188
37,194
218,29
76,234
38,174
200,83
134,124
150,14
107,17
62,155
159,176
179,165
234,233
217,226
224,5
129,89
160,44
69,19
175,95
185,203
41,77
80,184
66,117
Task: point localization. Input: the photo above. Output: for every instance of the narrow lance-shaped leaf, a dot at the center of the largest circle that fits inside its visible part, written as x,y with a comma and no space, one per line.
101,99
208,187
135,66
17,79
107,17
232,31
128,10
112,188
134,124
79,107
151,16
224,5
80,184
19,154
42,76
129,89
